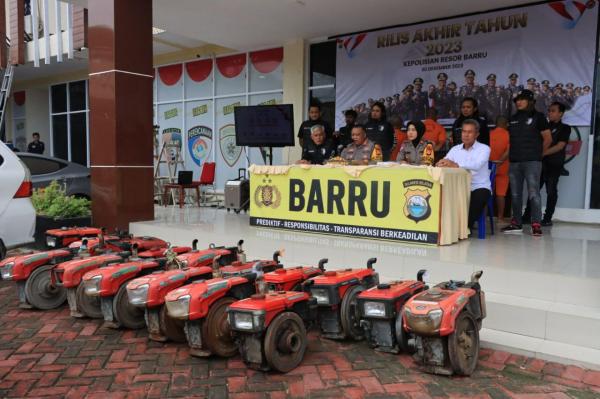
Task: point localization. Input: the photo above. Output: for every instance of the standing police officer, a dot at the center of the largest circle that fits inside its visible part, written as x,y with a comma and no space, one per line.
512,90
441,97
470,88
379,130
420,100
492,99
314,118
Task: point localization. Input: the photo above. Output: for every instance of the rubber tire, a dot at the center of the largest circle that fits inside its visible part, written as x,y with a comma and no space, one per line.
124,313
34,296
271,342
87,305
170,327
456,361
402,336
212,341
348,303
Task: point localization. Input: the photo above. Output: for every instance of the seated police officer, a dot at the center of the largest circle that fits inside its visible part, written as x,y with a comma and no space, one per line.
362,150
317,150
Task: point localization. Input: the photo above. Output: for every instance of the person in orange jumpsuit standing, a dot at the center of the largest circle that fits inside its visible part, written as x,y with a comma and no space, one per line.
499,144
399,133
434,132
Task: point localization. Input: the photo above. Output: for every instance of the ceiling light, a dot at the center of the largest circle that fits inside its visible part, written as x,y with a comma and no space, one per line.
156,31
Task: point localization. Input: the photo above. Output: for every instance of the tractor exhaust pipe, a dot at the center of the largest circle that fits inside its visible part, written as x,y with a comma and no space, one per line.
241,255
216,268
476,276
277,254
370,263
195,244
134,251
421,274
322,264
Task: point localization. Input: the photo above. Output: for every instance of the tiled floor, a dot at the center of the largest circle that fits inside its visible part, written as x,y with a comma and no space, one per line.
543,296
50,354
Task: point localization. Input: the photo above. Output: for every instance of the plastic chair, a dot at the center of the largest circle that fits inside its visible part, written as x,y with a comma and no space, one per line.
207,178
489,208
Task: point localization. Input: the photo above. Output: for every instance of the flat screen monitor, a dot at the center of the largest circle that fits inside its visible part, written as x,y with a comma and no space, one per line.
264,125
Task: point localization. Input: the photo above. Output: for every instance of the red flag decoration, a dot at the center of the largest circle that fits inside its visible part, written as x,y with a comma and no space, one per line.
561,8
231,65
199,70
170,74
266,61
19,97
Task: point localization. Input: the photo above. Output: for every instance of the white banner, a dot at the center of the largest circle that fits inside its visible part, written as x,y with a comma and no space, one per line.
548,48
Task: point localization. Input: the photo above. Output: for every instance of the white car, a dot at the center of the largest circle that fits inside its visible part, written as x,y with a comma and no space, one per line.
17,215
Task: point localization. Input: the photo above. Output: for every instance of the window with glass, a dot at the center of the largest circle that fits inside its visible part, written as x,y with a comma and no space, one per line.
321,88
69,113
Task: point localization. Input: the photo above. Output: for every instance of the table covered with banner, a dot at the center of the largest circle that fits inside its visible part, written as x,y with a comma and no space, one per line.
424,205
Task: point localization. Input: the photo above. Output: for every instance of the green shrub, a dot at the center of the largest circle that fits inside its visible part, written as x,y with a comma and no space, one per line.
52,201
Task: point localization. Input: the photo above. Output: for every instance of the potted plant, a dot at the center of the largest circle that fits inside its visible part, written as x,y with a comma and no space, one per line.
55,209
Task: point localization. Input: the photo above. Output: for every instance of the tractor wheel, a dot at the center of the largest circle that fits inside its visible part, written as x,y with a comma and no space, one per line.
88,305
350,316
126,314
285,342
40,292
402,336
170,327
215,329
463,345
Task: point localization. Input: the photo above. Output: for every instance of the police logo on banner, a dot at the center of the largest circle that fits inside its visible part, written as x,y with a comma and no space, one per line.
267,195
172,135
417,206
200,143
230,152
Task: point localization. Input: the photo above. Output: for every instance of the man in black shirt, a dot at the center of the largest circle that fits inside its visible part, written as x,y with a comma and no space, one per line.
344,136
36,146
530,138
469,109
317,149
553,161
314,118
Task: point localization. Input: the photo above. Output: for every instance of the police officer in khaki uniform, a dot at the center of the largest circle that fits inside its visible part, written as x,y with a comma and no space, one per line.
361,150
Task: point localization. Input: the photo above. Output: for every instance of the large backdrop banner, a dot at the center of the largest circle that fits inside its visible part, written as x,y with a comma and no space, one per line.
548,48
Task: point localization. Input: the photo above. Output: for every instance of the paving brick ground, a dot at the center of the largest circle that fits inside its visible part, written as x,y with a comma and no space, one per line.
50,354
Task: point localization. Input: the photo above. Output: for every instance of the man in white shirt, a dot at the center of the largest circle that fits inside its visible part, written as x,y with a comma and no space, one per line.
474,157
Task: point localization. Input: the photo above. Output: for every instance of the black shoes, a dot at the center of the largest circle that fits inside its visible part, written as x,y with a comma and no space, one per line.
513,227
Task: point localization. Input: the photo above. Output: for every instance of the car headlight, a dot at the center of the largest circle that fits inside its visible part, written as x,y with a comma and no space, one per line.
321,295
7,271
180,308
138,296
424,324
374,309
247,321
51,241
91,286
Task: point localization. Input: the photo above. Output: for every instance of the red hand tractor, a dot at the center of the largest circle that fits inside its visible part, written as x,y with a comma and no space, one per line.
380,310
59,238
446,320
336,293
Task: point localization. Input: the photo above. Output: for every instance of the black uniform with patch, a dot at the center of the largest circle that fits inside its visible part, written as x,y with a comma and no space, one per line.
382,133
318,154
304,130
526,143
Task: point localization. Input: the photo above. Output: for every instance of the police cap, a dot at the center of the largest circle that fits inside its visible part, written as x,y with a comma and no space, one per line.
545,82
513,76
442,76
491,76
525,95
418,81
570,85
469,72
531,80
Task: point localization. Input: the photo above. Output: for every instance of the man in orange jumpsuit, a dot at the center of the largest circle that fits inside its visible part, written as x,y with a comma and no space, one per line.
499,144
434,132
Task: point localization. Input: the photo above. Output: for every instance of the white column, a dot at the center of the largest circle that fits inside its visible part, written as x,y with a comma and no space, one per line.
294,90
